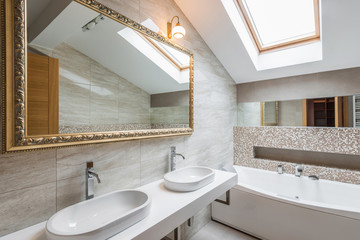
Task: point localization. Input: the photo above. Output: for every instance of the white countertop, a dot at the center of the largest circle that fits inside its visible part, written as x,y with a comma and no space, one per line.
168,210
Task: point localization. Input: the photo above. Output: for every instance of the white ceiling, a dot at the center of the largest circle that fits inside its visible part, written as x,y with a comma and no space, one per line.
104,45
340,37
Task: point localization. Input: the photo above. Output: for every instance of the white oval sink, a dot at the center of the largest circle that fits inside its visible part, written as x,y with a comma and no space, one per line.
99,218
189,178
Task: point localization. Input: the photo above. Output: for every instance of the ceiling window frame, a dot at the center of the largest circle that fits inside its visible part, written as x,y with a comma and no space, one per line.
164,54
252,31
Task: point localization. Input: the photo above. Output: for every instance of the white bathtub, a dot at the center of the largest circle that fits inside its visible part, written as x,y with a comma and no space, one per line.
284,207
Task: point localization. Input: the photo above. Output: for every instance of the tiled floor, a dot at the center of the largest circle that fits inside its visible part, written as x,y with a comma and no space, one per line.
216,231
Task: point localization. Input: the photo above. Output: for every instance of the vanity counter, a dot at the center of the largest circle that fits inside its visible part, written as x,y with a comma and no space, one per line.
168,210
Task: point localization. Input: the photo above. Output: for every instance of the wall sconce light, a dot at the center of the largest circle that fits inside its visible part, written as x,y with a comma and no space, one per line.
178,31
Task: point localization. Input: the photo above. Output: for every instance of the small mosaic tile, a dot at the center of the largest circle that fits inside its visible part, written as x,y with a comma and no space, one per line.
102,127
329,140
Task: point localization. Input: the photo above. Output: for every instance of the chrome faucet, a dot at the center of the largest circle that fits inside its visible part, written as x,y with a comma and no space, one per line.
314,177
298,170
90,176
172,158
280,169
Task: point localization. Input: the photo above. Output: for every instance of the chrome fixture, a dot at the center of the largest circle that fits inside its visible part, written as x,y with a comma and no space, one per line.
298,170
172,158
90,25
280,169
314,177
90,176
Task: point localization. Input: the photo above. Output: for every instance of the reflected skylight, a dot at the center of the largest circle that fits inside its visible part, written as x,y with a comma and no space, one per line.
178,58
280,22
170,60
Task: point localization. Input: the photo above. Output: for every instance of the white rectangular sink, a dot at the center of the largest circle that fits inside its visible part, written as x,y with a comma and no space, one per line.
99,218
189,178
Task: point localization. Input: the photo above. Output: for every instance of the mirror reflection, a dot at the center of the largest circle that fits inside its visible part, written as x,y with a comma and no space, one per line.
89,73
340,111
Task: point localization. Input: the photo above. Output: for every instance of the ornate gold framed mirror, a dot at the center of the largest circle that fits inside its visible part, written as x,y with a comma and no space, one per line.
77,72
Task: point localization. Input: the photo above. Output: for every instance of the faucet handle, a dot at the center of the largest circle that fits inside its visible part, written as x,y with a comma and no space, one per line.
89,164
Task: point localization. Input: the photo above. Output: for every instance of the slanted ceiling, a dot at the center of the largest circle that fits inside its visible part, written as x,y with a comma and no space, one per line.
339,32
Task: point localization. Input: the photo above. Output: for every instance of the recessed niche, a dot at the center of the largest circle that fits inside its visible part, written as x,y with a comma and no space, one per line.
333,160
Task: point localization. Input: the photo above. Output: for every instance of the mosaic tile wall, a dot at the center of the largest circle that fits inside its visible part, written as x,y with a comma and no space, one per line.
330,140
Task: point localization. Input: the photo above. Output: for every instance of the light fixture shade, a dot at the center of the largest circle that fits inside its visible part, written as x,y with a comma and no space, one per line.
178,31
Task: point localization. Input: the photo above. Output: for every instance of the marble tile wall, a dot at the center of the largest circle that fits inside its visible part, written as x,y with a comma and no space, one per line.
34,185
89,93
328,140
169,115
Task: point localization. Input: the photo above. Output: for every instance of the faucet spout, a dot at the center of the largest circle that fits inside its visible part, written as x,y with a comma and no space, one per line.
172,158
95,175
179,154
90,176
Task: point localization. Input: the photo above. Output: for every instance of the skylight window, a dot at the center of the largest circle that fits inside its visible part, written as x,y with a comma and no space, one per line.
280,23
178,58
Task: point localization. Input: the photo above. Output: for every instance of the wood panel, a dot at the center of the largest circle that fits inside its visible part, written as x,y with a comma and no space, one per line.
304,113
54,96
346,122
339,112
42,95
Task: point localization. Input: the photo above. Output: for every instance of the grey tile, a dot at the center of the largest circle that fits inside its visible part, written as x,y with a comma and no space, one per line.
126,177
153,169
25,207
28,169
158,148
74,102
73,64
70,191
71,162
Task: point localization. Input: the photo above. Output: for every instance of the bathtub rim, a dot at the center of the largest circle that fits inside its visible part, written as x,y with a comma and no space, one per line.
342,211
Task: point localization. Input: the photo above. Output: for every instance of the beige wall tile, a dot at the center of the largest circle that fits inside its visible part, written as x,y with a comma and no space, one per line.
70,191
23,208
126,177
71,162
28,169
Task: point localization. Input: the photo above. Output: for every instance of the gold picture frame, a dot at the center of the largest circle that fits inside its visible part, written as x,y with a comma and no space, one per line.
13,75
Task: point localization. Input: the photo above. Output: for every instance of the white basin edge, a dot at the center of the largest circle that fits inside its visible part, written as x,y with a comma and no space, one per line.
166,176
53,231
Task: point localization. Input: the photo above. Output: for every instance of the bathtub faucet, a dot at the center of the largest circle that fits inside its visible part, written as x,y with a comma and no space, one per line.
298,170
280,169
314,177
